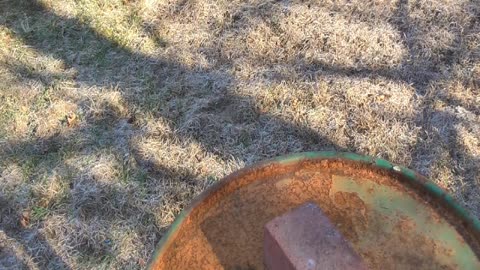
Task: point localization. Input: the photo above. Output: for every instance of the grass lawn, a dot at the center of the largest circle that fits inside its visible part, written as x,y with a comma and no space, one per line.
114,114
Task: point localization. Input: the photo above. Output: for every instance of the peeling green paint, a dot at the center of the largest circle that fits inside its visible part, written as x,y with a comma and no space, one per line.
304,155
409,173
383,164
430,187
356,157
392,207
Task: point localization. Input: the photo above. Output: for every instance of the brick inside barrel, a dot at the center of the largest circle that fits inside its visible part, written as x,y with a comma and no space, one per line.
305,239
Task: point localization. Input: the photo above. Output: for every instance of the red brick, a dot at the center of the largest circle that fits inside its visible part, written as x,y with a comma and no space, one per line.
305,239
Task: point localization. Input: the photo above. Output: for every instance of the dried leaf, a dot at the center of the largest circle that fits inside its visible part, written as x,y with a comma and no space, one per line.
25,219
71,119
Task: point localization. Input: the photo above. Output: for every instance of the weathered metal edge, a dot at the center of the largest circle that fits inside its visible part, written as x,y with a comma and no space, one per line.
411,175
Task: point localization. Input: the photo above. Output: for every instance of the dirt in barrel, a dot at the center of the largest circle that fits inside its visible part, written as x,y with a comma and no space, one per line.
388,222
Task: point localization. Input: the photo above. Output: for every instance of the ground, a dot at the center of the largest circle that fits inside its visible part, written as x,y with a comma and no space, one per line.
114,114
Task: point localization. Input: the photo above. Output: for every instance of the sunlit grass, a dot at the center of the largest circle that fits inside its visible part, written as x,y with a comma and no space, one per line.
114,114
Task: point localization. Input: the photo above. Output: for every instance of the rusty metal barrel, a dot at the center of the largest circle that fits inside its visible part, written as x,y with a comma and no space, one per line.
393,217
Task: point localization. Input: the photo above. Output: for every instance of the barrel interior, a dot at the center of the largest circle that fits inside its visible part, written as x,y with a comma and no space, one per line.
391,221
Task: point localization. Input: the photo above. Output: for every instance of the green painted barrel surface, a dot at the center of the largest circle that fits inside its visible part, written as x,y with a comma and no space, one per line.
393,217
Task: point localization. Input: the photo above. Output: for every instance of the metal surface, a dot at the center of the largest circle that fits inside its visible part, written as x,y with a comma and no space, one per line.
393,217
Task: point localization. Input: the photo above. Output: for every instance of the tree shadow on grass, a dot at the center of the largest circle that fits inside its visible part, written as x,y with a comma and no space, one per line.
79,45
35,244
76,44
95,208
427,76
104,58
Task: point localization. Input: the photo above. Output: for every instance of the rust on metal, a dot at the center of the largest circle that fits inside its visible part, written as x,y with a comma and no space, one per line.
392,218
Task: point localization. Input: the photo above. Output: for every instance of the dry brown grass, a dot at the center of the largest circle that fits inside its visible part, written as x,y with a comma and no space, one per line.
114,114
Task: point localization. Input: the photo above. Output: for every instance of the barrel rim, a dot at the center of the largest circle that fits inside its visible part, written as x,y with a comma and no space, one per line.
431,188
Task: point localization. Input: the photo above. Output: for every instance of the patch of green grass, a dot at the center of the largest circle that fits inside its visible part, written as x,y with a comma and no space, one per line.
39,213
159,40
43,100
130,174
98,262
7,114
29,166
